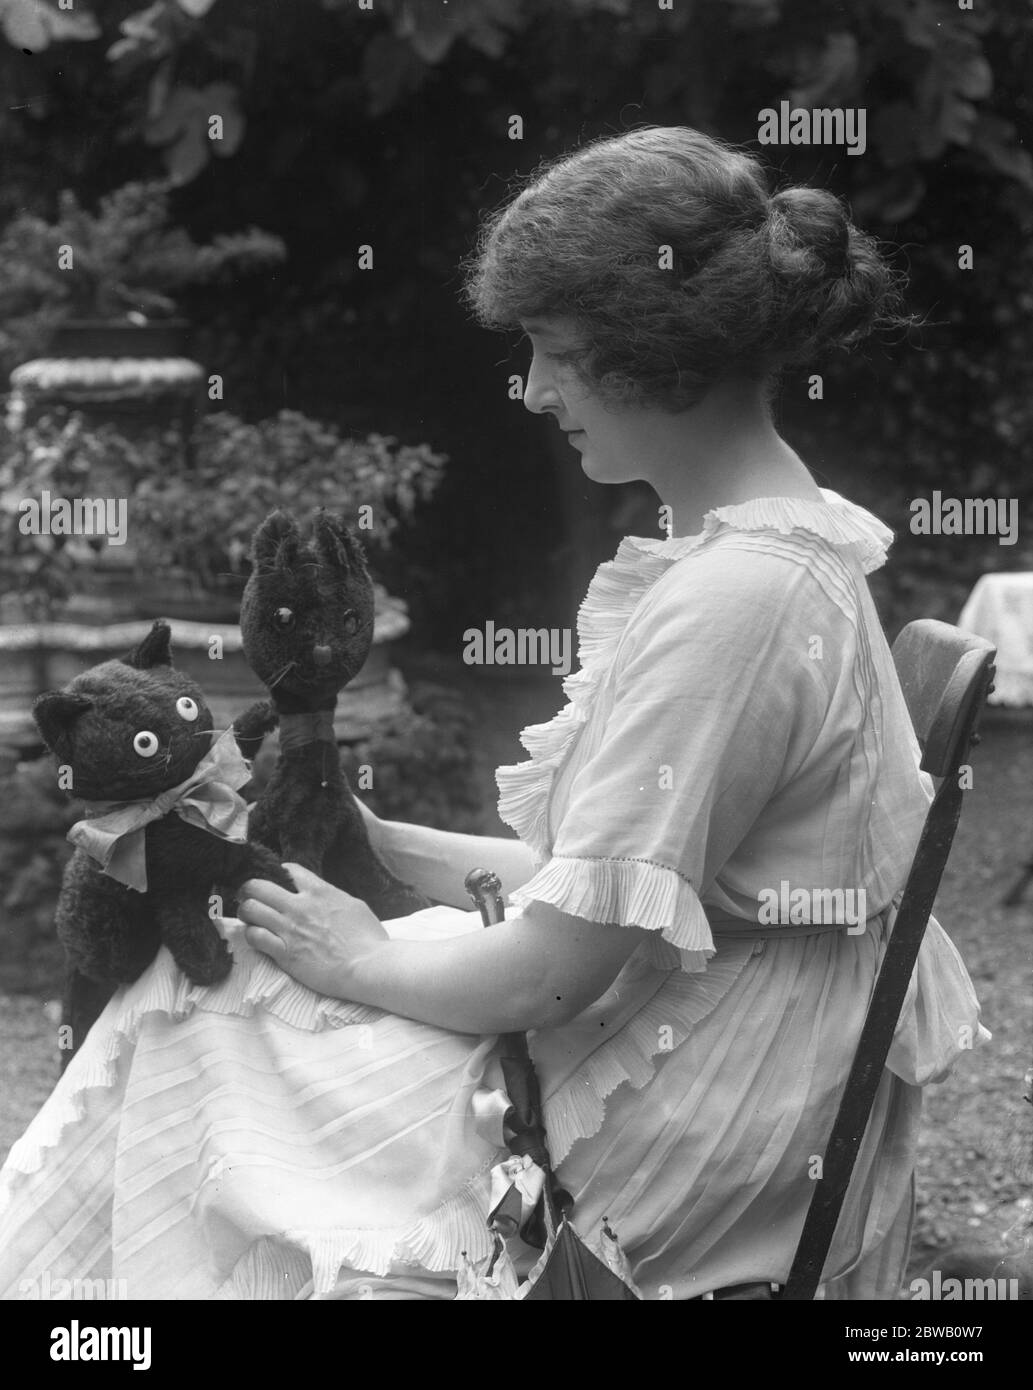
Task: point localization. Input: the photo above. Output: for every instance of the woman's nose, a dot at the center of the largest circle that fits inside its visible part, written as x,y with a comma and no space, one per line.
539,393
321,654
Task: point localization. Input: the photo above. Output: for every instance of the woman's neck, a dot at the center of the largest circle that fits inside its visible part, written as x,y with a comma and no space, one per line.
723,452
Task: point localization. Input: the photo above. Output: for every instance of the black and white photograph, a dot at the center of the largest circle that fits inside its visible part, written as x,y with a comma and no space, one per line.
516,666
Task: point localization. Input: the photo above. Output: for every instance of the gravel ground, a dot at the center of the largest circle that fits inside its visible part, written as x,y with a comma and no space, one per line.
975,1172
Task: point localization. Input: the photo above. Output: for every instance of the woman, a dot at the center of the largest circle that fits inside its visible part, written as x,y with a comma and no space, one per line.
735,733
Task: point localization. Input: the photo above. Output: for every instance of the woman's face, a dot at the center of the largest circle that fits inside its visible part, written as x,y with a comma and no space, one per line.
607,439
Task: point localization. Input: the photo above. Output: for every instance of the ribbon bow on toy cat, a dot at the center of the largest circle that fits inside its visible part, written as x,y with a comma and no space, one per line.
113,831
164,825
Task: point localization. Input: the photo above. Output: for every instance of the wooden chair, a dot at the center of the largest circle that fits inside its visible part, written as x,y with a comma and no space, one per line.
946,675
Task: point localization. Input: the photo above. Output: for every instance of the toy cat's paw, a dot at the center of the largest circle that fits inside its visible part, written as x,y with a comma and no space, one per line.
208,966
197,948
251,727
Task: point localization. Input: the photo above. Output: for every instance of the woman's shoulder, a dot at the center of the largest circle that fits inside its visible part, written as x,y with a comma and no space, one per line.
756,557
767,524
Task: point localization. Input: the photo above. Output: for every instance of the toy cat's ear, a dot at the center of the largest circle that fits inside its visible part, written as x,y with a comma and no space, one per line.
275,543
154,650
55,712
337,543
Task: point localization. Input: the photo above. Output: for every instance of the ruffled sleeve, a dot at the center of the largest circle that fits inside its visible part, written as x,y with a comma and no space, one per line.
710,702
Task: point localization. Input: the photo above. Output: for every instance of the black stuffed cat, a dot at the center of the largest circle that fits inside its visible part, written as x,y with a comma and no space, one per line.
164,825
307,625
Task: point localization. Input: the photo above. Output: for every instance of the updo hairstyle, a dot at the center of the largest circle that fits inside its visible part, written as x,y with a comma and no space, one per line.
755,283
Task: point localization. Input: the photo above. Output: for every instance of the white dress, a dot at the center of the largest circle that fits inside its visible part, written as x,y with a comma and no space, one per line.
735,733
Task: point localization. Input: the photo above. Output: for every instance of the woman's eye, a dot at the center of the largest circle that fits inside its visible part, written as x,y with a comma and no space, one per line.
284,619
351,623
186,708
145,743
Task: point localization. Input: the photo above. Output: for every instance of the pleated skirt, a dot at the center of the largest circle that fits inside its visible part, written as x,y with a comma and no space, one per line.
258,1141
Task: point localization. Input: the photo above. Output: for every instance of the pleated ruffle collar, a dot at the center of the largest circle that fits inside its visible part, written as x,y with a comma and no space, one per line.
833,519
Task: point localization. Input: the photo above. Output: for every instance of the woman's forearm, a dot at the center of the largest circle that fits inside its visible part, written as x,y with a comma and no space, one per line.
533,971
437,861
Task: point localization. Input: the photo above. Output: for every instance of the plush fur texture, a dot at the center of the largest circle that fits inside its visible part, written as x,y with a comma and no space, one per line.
112,932
307,625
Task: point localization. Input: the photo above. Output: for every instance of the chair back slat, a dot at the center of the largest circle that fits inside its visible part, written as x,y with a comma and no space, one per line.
941,671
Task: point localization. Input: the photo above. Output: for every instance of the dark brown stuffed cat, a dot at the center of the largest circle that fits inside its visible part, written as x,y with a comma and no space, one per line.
307,624
164,825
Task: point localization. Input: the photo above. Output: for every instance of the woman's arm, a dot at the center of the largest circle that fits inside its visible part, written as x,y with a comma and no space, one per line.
533,971
437,861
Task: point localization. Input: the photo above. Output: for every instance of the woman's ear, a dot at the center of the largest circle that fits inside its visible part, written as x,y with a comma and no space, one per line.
154,650
275,543
55,712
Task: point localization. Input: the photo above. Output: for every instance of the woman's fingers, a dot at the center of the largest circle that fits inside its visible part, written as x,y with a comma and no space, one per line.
267,942
304,878
264,890
259,914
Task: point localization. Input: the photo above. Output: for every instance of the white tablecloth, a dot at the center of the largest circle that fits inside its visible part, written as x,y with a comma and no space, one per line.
1000,608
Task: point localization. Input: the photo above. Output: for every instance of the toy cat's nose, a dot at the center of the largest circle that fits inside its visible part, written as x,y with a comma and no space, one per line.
321,654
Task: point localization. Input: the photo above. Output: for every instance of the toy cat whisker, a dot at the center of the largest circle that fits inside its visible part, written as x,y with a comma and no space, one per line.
163,763
283,674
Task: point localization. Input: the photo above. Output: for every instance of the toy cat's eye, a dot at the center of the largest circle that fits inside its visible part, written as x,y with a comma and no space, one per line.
187,708
351,623
145,743
284,619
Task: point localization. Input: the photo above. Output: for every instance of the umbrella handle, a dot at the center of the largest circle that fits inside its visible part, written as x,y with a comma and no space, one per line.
485,890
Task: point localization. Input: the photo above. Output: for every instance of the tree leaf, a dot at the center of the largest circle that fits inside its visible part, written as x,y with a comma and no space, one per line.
33,24
389,66
995,140
166,124
892,199
222,99
824,76
975,78
188,155
23,24
431,35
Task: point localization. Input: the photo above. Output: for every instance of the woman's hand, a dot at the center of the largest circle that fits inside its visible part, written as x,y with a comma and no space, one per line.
317,934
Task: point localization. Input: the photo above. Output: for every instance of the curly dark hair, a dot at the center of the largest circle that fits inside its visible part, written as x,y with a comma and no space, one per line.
677,270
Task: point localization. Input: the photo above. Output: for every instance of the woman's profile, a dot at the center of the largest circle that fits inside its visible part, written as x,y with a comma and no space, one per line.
324,1123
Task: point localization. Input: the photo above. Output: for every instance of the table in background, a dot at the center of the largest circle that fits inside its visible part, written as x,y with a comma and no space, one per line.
1000,608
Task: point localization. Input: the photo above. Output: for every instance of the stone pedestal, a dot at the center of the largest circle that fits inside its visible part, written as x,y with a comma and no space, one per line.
44,656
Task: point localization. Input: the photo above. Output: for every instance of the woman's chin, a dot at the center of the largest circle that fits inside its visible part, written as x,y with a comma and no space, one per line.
602,472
